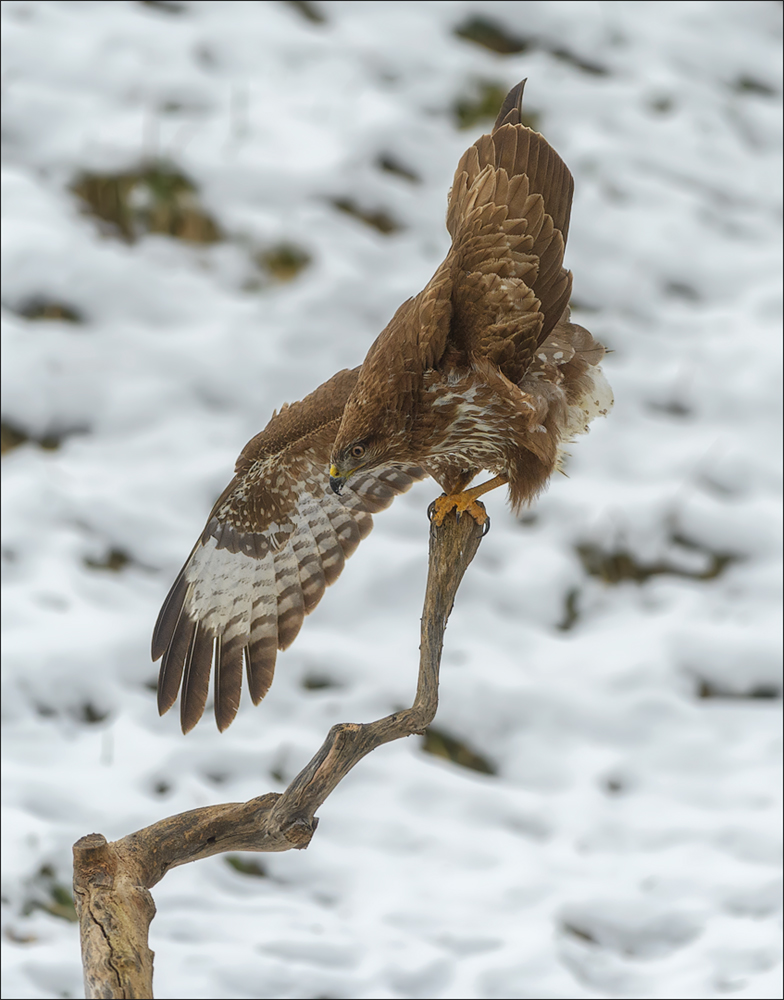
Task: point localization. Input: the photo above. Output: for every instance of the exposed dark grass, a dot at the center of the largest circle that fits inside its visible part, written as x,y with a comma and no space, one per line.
440,744
379,219
156,198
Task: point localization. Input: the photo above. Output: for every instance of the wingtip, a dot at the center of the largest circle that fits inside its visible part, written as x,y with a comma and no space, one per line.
188,717
164,701
224,721
157,646
161,635
513,105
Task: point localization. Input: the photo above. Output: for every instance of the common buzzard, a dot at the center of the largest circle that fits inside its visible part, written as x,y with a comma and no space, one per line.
482,370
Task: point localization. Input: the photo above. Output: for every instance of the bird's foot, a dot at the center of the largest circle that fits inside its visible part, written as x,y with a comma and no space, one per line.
462,503
466,500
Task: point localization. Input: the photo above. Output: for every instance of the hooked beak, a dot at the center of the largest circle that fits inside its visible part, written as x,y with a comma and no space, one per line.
336,481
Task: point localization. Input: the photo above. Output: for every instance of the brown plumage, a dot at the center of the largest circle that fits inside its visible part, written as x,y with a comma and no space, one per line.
481,370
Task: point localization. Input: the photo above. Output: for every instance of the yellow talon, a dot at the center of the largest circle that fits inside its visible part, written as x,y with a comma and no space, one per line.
462,503
466,501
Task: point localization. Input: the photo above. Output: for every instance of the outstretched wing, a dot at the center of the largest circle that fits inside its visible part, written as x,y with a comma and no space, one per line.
275,539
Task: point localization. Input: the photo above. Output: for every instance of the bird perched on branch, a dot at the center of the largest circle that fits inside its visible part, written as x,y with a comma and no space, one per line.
481,370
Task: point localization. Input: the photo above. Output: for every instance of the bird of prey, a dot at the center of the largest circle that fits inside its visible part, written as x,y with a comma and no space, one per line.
482,370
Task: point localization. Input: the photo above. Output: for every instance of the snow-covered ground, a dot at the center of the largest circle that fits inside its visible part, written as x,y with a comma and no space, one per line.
614,655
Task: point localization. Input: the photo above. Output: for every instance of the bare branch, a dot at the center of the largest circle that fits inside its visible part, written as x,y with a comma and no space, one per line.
112,880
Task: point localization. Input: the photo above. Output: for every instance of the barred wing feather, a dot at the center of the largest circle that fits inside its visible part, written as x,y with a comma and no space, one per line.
276,538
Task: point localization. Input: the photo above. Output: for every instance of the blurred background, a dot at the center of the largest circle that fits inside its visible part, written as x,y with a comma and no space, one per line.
209,208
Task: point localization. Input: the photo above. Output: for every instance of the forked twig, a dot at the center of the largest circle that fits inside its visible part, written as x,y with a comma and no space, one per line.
112,880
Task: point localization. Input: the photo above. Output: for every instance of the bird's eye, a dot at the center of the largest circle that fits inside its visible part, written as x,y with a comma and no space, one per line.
358,451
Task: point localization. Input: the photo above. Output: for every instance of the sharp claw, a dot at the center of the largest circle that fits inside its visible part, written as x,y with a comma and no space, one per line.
431,510
486,526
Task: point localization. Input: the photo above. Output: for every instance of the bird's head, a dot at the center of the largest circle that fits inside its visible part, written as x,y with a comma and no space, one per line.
365,440
376,418
351,458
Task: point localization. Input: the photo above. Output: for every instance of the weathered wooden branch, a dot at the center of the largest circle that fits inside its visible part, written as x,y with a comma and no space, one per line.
112,880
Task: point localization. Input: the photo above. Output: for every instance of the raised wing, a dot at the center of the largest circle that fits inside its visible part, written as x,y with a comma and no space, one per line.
275,539
502,287
508,215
